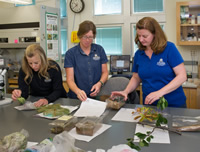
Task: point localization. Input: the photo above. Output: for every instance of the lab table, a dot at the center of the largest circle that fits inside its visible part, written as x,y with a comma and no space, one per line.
12,120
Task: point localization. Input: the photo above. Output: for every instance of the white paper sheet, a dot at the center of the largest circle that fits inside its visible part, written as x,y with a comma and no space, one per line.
103,128
27,106
125,114
160,135
91,107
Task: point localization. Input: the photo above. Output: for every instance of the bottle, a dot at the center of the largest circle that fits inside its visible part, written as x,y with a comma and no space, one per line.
189,19
193,19
198,19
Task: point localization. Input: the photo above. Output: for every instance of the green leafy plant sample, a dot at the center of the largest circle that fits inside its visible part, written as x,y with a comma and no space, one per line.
53,110
149,114
21,100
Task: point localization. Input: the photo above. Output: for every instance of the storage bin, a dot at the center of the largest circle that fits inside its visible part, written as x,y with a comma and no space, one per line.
115,103
60,125
88,126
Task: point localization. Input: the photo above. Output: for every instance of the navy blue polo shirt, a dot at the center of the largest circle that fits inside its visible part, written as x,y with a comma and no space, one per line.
157,72
87,68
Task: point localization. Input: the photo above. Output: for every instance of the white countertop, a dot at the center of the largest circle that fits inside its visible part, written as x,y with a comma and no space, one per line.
189,85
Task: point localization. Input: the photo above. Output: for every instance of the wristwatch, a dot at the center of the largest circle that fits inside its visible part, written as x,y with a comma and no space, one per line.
101,83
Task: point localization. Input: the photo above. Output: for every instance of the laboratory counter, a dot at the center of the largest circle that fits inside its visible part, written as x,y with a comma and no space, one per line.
13,120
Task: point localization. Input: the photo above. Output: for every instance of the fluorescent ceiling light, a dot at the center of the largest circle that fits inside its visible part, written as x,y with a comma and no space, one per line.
18,1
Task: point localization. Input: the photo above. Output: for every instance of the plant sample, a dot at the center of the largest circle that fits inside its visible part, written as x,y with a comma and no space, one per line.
151,115
53,110
21,100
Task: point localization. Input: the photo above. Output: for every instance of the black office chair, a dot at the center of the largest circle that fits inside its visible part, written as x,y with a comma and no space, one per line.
118,84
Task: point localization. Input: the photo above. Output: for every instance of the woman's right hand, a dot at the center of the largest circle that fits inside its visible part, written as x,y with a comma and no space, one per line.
16,94
81,95
119,93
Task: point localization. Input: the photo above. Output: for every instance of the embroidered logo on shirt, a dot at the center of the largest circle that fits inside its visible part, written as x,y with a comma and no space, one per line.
96,57
47,80
161,62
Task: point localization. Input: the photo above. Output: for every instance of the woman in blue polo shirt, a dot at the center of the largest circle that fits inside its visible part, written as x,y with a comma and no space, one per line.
158,65
85,64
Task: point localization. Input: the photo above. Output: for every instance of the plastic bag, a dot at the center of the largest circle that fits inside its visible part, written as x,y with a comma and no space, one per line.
121,148
185,123
44,146
62,142
14,142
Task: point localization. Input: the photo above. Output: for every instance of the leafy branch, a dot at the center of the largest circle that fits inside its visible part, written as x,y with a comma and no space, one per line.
150,114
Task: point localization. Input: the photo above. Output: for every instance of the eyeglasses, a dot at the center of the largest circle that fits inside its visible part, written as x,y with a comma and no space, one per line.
88,37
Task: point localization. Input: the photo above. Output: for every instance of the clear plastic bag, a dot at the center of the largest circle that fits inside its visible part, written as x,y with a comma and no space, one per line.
121,148
14,142
65,142
45,146
185,123
62,142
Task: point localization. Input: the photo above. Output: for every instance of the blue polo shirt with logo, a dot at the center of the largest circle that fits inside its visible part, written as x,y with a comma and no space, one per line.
87,68
157,72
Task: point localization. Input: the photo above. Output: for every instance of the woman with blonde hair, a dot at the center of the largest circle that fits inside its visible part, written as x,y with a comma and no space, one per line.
39,76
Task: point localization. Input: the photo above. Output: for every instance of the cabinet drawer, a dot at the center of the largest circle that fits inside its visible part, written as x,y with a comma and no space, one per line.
13,81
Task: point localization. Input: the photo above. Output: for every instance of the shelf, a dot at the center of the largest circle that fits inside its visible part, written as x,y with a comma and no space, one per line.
13,86
190,25
189,43
16,45
186,13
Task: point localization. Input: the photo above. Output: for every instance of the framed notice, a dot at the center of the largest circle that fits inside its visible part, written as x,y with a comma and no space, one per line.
52,36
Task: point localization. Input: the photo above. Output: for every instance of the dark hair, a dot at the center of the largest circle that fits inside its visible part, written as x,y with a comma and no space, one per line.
85,27
160,40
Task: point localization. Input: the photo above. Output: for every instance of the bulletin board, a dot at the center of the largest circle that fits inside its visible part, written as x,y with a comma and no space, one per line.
52,36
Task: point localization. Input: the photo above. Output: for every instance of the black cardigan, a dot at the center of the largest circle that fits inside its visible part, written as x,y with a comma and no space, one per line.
51,89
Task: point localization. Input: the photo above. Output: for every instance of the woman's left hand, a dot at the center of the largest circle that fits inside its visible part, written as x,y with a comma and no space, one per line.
41,102
152,97
95,89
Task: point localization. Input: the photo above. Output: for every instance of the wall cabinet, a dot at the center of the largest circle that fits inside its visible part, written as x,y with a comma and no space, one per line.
193,96
188,23
12,84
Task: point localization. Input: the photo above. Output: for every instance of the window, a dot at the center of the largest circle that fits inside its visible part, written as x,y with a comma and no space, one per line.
63,31
147,6
63,41
102,7
63,9
110,38
33,3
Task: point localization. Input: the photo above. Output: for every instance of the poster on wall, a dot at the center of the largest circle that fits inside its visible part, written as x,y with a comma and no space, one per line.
52,36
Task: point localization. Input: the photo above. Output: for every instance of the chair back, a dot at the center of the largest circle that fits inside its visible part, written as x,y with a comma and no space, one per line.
116,84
